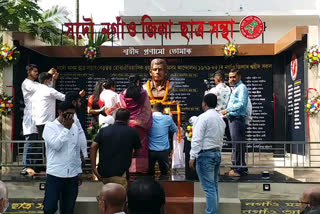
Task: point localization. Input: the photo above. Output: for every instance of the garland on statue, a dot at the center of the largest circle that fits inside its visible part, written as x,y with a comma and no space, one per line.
164,102
152,99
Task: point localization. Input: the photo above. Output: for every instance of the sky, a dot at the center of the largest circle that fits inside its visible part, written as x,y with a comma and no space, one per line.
100,10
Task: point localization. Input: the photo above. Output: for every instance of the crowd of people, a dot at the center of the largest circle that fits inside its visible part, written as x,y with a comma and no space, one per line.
134,136
126,121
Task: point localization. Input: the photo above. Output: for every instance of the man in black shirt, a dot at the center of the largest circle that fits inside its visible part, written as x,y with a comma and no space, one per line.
116,145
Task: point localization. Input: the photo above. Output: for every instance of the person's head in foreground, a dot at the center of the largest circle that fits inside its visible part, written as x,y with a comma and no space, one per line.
112,198
74,97
310,199
122,115
4,201
146,196
209,101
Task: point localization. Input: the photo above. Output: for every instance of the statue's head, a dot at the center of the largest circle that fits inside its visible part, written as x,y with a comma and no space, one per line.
158,69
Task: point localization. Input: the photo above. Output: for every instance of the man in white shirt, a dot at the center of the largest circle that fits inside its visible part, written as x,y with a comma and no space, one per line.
110,99
112,199
62,142
29,87
223,92
206,145
44,102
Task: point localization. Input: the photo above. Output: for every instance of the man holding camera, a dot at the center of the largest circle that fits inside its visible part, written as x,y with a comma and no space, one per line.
63,144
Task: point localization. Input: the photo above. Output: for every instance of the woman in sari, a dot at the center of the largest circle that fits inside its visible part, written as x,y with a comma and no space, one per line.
136,100
95,104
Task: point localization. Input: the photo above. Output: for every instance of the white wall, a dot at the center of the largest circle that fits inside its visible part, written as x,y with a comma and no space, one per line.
277,27
280,17
216,7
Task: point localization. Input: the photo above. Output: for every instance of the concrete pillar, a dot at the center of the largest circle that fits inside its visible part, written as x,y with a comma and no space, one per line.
6,80
313,82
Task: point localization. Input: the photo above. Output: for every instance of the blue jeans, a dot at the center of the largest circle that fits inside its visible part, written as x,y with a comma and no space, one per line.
32,152
207,165
64,190
237,128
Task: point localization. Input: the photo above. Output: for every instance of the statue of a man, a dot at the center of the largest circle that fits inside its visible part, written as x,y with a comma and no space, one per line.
159,87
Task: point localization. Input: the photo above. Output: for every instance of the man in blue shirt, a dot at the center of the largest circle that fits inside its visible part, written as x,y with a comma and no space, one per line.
158,138
237,112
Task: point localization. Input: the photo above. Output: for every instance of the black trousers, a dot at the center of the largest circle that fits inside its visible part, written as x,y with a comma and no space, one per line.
40,129
64,190
238,130
227,129
163,160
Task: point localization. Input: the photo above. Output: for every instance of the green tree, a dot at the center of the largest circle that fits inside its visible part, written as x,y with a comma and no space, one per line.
48,27
12,12
27,16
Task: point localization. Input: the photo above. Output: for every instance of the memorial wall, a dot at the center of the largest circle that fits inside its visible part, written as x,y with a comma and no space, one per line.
186,73
295,96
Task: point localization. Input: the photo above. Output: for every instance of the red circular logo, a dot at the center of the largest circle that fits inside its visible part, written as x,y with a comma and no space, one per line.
294,67
251,27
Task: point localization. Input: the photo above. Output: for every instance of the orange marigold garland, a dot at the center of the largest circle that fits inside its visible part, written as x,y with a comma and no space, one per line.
164,102
152,99
179,121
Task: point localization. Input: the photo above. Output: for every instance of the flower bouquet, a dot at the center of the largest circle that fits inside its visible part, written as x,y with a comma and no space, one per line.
189,129
8,55
189,133
230,50
90,53
312,56
6,105
313,105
